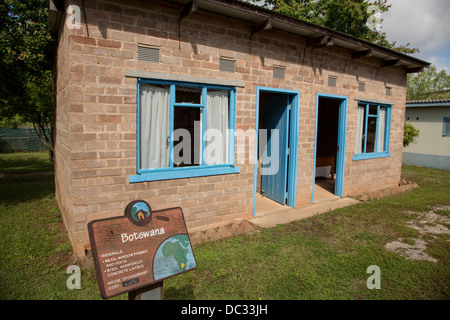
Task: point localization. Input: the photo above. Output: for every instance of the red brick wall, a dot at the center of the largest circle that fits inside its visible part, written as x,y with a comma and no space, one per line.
96,113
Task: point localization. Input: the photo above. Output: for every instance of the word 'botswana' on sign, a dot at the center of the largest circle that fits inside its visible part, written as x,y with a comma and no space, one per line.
141,235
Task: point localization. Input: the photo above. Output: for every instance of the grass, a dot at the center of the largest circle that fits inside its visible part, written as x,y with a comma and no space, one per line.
25,162
323,257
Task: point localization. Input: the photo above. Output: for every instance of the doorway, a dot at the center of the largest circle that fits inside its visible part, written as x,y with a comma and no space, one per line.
329,153
276,147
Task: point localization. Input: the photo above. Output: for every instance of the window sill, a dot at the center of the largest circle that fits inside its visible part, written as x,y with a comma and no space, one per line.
182,173
366,156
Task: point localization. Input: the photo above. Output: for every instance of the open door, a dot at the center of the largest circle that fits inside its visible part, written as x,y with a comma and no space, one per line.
274,175
276,149
329,158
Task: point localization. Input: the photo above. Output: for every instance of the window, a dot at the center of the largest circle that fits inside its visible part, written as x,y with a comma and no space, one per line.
372,131
446,127
184,130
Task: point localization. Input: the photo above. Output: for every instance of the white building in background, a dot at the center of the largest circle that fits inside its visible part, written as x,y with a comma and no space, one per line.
432,119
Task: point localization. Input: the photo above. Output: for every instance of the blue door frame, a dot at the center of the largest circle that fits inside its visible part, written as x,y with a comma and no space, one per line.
293,143
342,134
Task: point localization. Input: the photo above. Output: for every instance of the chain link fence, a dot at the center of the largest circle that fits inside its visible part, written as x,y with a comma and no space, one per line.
15,140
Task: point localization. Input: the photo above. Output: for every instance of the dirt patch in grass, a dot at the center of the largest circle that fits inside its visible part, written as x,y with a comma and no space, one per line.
429,224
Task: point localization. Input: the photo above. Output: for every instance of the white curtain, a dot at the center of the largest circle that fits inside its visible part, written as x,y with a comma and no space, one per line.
359,148
381,129
154,126
216,151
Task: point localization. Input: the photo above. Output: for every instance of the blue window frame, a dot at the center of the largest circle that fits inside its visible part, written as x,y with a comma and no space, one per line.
372,131
173,140
446,127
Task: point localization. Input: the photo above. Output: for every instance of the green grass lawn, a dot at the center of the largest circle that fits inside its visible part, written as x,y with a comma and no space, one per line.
25,162
323,257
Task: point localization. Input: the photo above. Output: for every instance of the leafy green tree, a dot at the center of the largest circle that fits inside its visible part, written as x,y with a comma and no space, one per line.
25,71
428,84
353,17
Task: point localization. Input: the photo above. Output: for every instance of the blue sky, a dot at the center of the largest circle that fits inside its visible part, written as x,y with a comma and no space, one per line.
425,24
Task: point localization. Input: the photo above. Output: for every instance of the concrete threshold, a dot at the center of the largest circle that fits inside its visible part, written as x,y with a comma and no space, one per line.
272,219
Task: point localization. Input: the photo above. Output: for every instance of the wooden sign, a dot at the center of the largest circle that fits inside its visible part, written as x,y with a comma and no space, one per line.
140,248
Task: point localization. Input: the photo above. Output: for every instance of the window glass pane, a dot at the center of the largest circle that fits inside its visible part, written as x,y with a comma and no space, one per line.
154,126
188,95
371,134
446,128
187,136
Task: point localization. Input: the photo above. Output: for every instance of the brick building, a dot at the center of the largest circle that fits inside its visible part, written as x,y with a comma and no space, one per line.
162,100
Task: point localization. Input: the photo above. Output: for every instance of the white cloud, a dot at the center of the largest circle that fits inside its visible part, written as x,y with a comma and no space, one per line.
423,24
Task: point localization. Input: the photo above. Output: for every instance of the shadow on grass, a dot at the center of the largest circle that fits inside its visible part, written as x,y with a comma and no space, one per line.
25,177
11,194
183,293
24,162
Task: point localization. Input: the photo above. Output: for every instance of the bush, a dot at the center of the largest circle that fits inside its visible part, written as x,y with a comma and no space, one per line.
410,134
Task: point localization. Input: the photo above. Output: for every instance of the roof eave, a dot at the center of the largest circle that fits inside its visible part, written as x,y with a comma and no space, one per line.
428,104
265,19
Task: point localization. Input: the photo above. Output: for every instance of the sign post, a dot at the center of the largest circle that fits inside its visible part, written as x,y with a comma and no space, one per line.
152,292
134,253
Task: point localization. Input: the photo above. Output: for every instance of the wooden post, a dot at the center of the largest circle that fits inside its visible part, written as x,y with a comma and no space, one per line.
151,292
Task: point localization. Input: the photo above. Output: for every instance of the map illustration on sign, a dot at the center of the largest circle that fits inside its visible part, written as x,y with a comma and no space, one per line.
173,256
140,248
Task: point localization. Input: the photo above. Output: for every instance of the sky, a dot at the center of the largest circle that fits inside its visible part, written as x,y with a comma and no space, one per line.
425,24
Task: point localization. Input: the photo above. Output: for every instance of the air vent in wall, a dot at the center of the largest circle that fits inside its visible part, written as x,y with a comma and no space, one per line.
361,86
332,81
388,91
149,54
278,72
227,64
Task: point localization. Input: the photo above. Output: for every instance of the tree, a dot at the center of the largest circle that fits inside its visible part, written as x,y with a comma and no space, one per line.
428,84
358,18
25,73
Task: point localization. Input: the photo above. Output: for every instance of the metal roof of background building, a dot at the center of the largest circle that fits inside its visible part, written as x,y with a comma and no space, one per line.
428,103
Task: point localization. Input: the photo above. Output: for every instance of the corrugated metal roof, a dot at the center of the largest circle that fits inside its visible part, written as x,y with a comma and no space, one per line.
428,103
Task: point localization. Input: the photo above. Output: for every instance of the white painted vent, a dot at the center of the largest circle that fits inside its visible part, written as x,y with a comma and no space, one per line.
332,80
388,91
279,72
227,64
149,54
